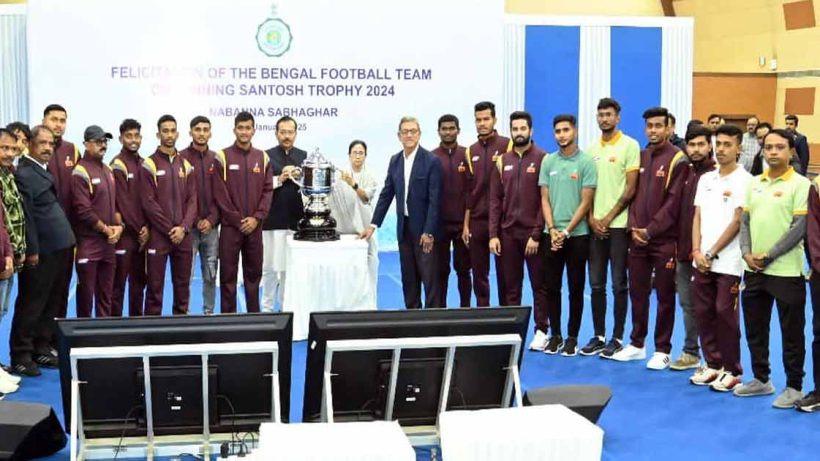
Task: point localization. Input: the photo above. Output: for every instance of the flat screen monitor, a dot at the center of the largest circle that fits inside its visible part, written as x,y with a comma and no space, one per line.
112,390
360,379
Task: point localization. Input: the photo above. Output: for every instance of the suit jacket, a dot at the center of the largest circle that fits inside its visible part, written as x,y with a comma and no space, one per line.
47,227
423,199
801,146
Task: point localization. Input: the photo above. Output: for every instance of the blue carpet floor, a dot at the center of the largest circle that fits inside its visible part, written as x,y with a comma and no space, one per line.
653,415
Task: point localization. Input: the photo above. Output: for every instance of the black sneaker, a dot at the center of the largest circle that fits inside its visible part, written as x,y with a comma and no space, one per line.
593,347
26,369
555,343
809,403
570,348
612,347
46,360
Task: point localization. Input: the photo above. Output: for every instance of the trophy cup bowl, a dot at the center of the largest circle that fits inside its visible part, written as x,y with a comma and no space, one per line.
316,178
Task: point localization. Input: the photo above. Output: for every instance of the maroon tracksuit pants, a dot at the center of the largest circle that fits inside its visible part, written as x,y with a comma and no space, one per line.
461,263
480,263
95,282
513,243
659,258
231,243
131,268
715,297
181,257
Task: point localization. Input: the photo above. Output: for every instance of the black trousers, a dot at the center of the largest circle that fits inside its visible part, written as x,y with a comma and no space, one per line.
814,284
42,289
611,251
574,256
418,268
790,293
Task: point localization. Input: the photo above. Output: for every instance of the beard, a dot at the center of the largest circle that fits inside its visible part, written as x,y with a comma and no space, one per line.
521,141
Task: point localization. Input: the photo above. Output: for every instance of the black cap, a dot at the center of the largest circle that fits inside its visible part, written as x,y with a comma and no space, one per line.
94,133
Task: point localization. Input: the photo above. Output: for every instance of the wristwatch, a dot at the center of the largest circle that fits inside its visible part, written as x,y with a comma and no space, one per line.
565,233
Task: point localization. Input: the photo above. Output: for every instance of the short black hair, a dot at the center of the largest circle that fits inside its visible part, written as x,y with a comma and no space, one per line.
657,112
698,131
54,107
200,119
243,116
693,123
7,132
286,118
448,118
521,115
672,119
14,127
609,103
731,130
129,124
783,134
711,116
165,118
36,132
762,125
354,143
485,105
794,118
564,118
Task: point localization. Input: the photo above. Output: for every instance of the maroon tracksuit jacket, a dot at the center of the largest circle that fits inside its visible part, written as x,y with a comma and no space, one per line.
687,212
656,208
93,201
481,157
515,217
66,155
168,200
203,169
130,257
243,187
455,183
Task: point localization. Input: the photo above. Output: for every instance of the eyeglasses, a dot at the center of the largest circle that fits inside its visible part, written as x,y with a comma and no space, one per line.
409,132
100,142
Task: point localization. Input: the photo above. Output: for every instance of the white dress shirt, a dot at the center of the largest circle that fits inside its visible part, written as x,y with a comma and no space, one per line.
408,170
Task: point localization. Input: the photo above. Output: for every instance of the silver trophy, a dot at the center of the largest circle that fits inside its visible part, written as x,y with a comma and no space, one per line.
316,177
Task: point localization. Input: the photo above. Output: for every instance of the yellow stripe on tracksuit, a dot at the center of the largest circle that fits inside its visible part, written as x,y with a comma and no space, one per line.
149,165
675,160
80,171
220,155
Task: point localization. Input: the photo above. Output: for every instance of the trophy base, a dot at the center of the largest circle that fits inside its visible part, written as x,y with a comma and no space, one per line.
316,235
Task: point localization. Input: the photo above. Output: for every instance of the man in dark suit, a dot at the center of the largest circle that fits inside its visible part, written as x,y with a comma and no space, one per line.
414,179
49,243
801,143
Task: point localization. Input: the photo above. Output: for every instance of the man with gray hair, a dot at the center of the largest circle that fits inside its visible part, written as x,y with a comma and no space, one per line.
414,180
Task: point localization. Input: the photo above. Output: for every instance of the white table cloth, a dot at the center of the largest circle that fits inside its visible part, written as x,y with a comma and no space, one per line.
537,433
365,441
325,276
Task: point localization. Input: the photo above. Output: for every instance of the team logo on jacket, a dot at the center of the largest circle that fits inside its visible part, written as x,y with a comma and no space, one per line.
671,263
495,156
573,176
461,167
531,168
181,173
68,162
660,173
211,169
256,168
273,37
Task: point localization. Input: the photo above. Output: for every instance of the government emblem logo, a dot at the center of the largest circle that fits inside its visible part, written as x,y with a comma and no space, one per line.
273,37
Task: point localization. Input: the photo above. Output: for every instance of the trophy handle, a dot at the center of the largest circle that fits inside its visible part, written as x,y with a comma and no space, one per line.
296,175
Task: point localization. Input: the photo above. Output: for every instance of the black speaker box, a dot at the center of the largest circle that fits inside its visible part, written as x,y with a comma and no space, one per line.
586,400
29,430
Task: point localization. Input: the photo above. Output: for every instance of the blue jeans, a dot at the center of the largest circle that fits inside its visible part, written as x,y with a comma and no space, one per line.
5,295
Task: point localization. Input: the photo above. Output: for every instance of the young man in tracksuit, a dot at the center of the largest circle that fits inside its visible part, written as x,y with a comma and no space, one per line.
517,222
653,221
453,200
772,229
481,160
243,188
568,181
96,224
205,234
169,203
811,402
130,249
700,162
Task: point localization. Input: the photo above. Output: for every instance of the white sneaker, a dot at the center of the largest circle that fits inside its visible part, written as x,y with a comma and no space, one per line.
7,387
630,353
539,341
6,376
705,376
659,361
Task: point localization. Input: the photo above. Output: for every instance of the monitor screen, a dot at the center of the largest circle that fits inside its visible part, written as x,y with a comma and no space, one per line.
112,390
360,379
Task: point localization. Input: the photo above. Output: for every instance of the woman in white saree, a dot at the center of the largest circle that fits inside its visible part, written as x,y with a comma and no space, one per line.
352,202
